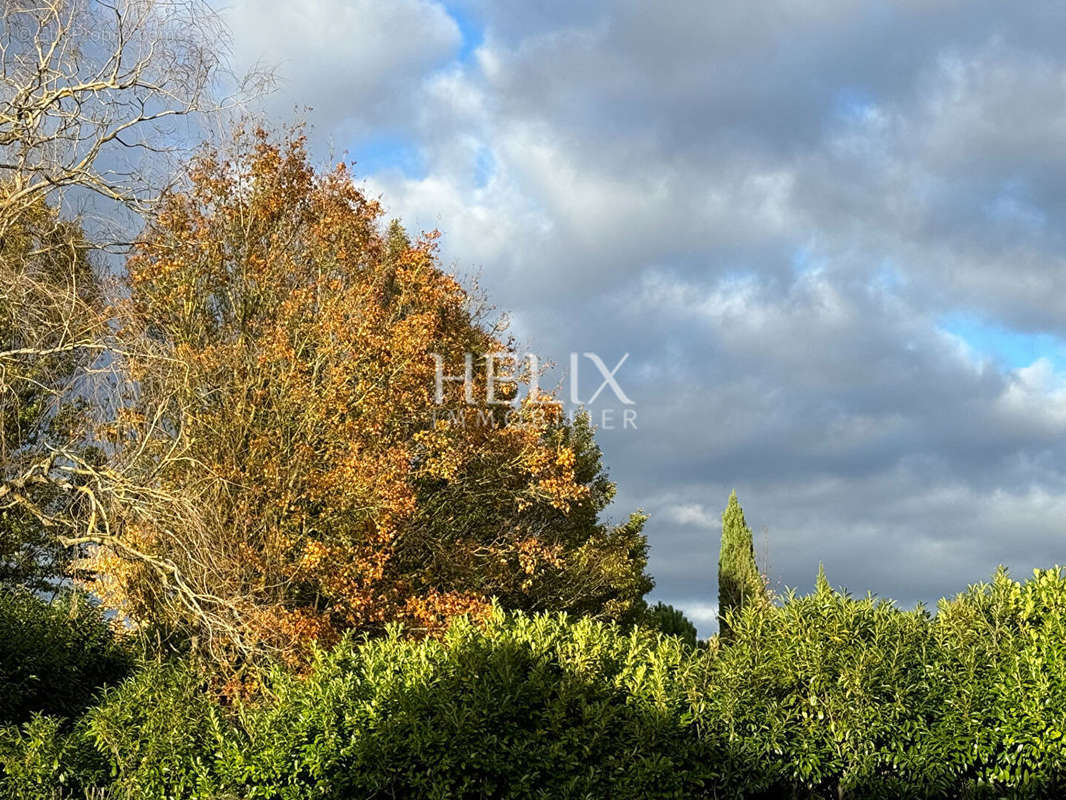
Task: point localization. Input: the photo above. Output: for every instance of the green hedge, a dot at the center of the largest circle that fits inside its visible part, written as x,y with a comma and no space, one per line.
824,696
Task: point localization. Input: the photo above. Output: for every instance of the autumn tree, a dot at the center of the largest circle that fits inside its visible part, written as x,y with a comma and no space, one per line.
304,479
739,581
566,558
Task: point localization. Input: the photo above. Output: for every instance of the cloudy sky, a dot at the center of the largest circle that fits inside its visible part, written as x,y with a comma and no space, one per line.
830,235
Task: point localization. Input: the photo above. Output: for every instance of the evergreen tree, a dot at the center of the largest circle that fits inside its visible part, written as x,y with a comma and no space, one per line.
664,618
739,581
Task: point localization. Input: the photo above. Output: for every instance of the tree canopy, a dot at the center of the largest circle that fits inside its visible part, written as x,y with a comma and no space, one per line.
291,473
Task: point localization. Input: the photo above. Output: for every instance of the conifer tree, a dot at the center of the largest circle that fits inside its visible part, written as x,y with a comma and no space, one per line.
739,581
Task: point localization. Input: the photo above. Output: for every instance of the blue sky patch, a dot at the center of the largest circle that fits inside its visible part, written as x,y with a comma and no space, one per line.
1006,346
852,103
484,167
388,152
472,33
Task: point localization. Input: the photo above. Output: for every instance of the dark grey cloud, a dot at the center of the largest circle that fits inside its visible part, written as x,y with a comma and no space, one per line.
773,209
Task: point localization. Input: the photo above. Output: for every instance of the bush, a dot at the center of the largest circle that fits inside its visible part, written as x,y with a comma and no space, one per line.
539,707
824,696
54,656
843,697
45,759
526,707
163,733
831,694
1003,666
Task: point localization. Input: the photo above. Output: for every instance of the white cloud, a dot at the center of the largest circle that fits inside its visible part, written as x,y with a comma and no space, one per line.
1036,396
358,63
693,514
703,615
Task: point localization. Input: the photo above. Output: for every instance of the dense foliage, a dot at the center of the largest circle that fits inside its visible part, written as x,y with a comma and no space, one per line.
740,583
305,479
822,696
672,621
54,656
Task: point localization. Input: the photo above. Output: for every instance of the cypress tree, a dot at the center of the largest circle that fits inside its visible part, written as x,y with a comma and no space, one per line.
739,581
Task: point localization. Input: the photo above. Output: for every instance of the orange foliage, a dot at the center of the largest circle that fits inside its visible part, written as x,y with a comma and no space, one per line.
295,404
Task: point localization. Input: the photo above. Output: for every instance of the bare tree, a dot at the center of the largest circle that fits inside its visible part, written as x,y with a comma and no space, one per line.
50,314
89,88
96,98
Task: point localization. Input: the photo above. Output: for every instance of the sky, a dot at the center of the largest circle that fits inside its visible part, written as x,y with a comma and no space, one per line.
828,234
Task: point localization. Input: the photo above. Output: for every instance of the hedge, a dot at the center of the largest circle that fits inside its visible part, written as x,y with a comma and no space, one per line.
821,696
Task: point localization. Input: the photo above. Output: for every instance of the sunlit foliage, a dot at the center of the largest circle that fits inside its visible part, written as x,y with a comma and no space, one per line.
282,403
